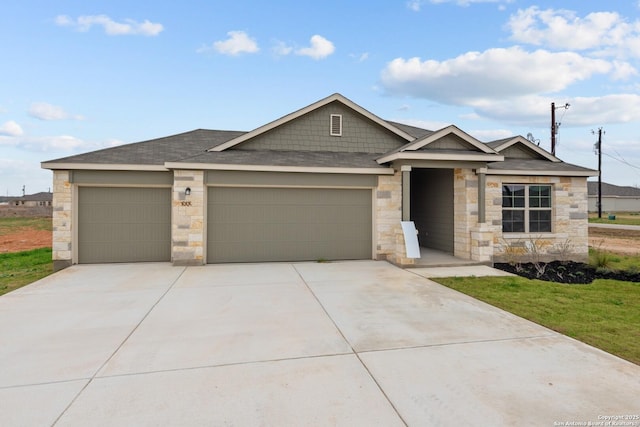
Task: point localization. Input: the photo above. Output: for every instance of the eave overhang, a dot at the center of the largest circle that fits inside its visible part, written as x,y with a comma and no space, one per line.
585,173
425,155
269,168
101,166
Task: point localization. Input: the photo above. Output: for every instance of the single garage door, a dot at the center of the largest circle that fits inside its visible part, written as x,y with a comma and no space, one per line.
288,224
124,224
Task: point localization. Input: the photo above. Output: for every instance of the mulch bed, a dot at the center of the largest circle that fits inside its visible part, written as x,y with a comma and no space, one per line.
566,272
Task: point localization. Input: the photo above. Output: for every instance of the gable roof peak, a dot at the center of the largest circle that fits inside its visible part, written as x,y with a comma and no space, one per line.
451,129
502,144
309,108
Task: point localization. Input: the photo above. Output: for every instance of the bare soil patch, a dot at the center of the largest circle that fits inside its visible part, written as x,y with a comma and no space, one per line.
24,239
623,242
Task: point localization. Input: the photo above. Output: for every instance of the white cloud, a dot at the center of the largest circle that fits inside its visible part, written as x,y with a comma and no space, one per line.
280,48
111,27
10,128
487,135
604,33
238,42
423,124
52,143
45,111
320,48
475,77
416,5
534,110
360,57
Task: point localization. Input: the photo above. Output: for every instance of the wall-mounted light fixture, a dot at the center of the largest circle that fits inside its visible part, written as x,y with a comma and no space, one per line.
187,192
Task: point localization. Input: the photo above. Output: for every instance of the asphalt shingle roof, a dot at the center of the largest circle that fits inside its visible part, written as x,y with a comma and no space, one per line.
156,151
612,190
536,165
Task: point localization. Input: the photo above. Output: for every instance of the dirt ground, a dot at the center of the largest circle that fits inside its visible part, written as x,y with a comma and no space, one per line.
24,239
624,242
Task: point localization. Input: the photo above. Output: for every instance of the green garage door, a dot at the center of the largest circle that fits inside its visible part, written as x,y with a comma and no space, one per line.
124,224
288,224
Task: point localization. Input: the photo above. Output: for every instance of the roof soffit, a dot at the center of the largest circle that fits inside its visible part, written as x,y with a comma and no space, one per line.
292,116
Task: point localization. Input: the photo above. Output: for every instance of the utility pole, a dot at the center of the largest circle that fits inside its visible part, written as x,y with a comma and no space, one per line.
553,128
555,125
599,150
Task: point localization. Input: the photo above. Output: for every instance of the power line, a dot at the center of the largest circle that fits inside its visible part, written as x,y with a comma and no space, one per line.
621,160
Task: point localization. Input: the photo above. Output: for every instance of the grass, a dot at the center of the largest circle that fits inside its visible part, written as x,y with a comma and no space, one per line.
10,225
611,261
603,314
21,268
621,218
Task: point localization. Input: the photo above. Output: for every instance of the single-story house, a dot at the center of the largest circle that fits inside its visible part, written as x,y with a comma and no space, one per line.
330,181
614,198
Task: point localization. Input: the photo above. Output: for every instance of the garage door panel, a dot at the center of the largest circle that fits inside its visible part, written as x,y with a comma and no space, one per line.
285,224
124,224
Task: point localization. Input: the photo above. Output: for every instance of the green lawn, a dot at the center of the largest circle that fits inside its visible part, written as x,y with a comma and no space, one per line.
21,268
604,314
621,218
9,225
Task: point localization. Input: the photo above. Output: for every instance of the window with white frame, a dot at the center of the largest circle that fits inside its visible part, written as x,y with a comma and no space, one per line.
526,208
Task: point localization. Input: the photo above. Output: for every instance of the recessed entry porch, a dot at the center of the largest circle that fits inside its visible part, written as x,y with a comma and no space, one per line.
431,207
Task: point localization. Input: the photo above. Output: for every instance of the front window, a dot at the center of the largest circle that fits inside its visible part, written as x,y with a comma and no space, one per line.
526,208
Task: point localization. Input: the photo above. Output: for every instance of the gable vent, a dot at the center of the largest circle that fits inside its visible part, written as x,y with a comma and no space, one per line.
336,125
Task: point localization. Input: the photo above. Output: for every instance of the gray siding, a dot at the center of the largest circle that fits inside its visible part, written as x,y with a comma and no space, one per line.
311,133
124,224
122,177
290,179
432,207
450,142
288,224
518,151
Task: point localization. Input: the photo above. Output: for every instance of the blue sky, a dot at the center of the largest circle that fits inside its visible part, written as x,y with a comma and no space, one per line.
83,75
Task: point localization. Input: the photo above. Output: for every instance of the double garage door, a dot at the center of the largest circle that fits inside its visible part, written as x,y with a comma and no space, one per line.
243,224
288,224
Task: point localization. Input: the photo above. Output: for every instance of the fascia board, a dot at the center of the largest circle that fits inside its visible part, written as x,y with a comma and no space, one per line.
586,173
269,168
412,155
101,166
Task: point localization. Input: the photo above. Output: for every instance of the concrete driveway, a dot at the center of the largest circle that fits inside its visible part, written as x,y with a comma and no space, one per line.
347,343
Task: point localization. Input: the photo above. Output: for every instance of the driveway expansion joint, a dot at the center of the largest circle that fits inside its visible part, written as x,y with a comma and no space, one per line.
119,346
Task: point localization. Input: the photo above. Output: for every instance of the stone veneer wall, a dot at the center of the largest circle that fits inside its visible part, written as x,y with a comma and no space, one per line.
465,208
388,214
187,228
62,220
570,237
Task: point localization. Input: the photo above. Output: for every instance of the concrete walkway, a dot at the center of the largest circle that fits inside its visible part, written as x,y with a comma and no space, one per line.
615,226
345,343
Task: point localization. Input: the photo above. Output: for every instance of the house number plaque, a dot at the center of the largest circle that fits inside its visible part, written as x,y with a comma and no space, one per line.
185,203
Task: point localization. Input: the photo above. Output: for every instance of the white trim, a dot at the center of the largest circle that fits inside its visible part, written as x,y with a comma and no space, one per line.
451,129
523,141
307,109
269,168
332,119
542,173
426,155
102,166
325,187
